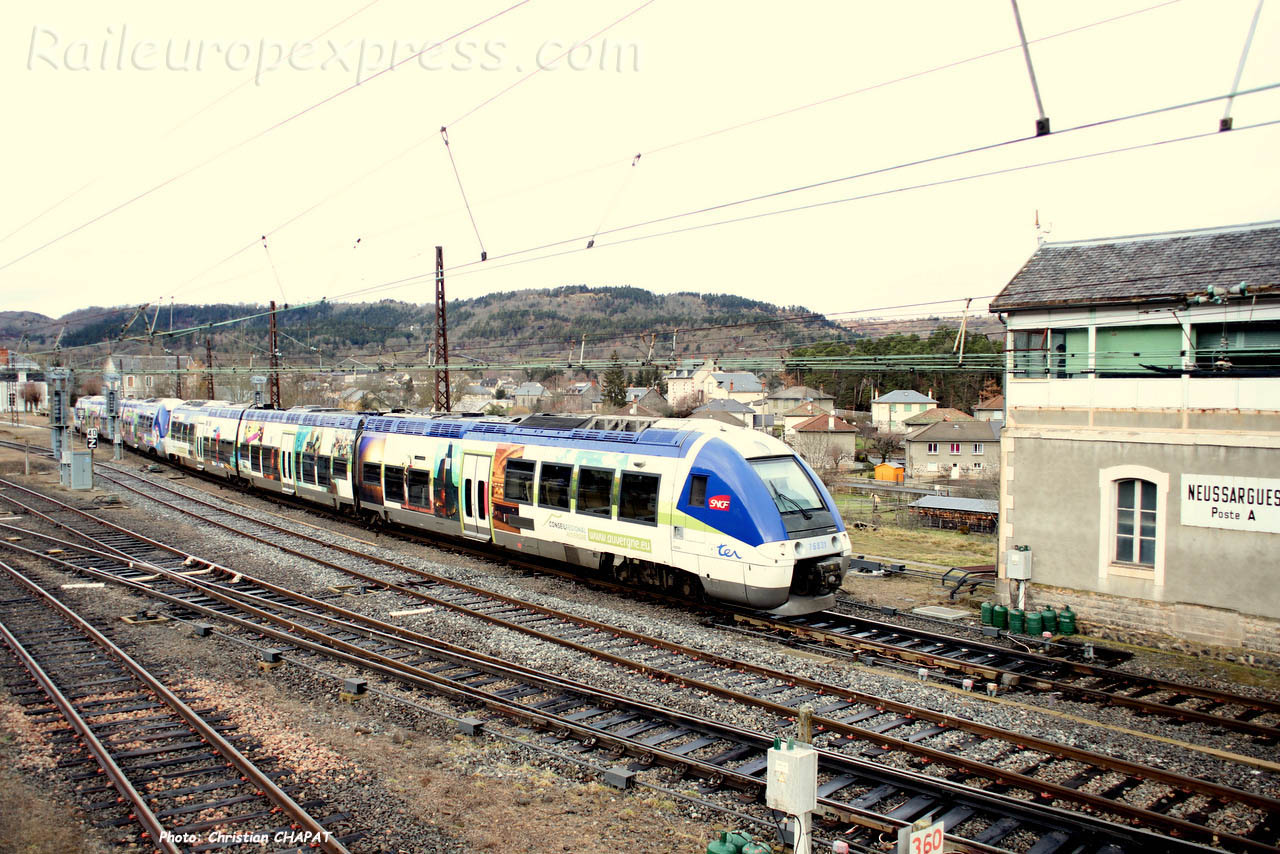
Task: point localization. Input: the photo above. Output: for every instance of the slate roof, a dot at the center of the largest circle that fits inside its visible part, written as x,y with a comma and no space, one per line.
958,431
994,404
1143,268
937,413
529,390
800,392
904,396
738,380
719,415
964,505
804,410
825,424
724,405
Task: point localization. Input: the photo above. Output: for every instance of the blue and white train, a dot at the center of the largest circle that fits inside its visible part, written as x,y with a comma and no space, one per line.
693,506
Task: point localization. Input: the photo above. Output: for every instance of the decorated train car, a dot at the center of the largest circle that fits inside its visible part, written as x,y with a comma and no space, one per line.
300,452
91,412
144,424
182,446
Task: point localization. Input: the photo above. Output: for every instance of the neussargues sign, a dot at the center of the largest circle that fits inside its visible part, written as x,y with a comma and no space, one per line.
1241,503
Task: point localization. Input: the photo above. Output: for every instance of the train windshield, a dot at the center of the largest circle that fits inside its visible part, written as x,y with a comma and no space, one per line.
789,485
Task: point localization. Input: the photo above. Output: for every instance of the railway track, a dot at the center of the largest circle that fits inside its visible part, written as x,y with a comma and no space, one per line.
147,764
1067,672
1080,680
853,724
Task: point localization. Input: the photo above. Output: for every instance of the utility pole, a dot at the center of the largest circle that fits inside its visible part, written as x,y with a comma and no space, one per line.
208,363
441,402
274,343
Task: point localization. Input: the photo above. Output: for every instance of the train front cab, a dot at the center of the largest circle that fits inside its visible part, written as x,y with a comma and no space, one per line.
763,532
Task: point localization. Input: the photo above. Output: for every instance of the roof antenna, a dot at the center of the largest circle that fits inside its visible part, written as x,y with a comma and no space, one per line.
1042,231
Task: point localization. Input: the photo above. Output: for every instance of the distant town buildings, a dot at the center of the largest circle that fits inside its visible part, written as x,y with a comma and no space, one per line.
954,449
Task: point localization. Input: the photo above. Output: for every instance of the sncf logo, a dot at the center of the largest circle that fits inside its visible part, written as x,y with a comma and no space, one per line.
718,502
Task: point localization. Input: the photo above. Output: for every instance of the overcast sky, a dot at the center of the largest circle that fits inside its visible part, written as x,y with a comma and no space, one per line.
182,104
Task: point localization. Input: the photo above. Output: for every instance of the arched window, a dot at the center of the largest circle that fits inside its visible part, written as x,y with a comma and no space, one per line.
1135,522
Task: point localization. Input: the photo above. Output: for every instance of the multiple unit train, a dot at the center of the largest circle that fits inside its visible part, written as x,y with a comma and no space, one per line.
693,506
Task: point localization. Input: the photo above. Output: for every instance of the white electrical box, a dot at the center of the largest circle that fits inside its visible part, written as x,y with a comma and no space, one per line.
793,779
1017,564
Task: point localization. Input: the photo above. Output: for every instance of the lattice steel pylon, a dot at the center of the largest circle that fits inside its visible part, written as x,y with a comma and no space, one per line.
273,382
441,401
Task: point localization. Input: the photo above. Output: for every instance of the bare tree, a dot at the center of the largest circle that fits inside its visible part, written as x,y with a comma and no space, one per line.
884,444
90,386
684,406
32,395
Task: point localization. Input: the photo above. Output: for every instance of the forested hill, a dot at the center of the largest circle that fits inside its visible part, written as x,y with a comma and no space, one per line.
532,322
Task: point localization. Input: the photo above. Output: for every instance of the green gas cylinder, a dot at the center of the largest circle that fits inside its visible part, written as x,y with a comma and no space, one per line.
730,842
985,611
756,847
1017,620
1067,621
1035,623
1050,617
1000,617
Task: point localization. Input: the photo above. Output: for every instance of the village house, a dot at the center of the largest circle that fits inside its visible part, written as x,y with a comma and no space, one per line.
934,415
1141,448
650,398
153,376
888,411
825,439
784,400
955,449
581,397
696,386
530,395
991,409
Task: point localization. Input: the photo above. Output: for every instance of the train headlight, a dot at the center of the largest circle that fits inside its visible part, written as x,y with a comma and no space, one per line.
799,547
835,541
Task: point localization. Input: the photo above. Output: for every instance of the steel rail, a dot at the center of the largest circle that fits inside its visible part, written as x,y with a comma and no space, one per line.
796,626
834,763
138,807
385,631
388,631
325,840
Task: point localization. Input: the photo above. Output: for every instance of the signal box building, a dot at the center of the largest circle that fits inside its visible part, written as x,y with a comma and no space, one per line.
1141,453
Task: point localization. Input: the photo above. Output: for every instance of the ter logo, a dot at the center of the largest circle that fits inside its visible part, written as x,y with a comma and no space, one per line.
718,502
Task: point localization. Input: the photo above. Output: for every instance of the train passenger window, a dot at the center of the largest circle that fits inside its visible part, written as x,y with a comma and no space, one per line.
553,486
419,486
482,498
308,468
518,486
371,474
595,491
255,458
226,449
322,471
393,483
339,468
698,490
638,498
466,497
244,453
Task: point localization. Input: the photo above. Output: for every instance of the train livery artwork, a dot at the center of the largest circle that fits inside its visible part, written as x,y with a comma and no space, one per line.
695,507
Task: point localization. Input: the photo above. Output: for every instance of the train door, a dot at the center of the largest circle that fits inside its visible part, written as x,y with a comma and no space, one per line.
475,496
286,463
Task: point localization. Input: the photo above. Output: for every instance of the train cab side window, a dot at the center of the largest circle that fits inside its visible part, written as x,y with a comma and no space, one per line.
419,483
595,491
553,486
393,480
322,471
698,490
638,499
339,468
371,474
518,485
